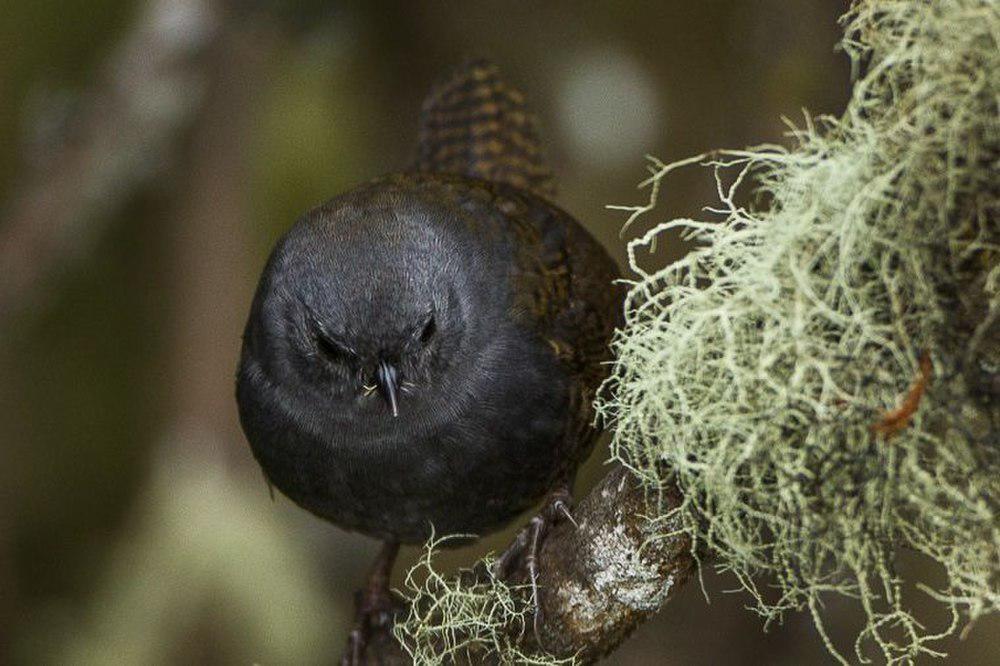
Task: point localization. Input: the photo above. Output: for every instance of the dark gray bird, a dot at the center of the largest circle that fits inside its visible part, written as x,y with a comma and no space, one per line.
422,351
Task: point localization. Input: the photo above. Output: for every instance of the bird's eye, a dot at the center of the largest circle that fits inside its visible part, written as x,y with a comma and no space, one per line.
427,332
332,350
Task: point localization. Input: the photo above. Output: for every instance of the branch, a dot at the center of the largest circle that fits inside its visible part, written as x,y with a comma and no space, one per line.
604,578
600,578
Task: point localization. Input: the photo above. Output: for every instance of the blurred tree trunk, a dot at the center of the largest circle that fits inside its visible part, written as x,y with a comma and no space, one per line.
211,276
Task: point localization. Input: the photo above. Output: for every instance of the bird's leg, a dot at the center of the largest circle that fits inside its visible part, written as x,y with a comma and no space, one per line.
374,606
528,542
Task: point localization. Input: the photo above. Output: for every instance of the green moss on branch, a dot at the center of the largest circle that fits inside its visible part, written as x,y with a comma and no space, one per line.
760,371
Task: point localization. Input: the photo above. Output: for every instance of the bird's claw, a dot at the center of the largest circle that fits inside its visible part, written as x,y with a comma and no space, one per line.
375,612
527,546
374,608
562,508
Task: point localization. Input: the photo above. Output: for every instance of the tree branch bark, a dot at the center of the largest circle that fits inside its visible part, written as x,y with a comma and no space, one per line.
600,578
611,572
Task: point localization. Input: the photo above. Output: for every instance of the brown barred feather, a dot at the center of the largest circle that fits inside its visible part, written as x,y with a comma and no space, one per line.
562,282
474,124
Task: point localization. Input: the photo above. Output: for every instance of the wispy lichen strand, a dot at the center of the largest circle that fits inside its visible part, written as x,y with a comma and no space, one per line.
752,371
469,616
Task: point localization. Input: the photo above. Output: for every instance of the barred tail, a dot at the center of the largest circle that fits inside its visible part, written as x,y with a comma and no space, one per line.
474,124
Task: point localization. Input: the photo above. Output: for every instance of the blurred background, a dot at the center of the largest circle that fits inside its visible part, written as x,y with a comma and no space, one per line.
156,149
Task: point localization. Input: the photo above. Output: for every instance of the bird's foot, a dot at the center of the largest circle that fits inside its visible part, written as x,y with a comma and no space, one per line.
375,609
524,550
522,554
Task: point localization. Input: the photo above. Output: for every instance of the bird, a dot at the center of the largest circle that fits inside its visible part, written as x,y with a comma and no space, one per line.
422,352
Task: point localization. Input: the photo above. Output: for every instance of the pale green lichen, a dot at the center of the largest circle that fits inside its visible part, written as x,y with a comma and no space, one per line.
469,617
751,372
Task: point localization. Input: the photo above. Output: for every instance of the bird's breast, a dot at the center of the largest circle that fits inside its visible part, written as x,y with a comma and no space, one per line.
463,470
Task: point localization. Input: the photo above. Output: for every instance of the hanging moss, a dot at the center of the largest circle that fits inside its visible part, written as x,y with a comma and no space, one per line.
820,375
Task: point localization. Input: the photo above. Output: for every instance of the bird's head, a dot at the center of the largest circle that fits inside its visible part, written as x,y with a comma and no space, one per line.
362,310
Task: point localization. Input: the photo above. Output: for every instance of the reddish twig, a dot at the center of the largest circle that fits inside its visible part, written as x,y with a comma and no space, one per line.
898,419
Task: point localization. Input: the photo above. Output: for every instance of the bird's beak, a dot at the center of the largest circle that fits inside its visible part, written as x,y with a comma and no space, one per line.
388,381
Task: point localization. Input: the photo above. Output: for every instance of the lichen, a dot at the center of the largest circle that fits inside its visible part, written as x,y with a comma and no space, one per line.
469,616
623,572
760,372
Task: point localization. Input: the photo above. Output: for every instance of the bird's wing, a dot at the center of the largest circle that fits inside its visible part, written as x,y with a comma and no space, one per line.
565,289
583,305
474,124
